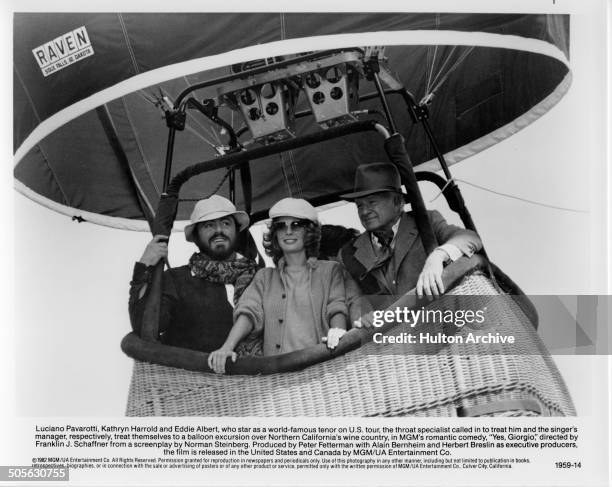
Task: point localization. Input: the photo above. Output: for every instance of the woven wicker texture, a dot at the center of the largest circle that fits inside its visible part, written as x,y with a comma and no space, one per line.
381,380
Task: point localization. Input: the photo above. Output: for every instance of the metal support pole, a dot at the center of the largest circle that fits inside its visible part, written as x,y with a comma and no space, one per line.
396,151
383,101
421,114
169,152
466,217
247,186
232,185
149,329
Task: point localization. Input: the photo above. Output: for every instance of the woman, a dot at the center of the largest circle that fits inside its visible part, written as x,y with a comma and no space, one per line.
333,239
298,303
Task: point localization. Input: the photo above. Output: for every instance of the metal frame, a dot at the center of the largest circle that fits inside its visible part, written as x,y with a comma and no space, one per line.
372,69
239,158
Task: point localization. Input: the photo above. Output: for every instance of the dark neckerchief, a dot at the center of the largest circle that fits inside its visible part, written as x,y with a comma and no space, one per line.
239,272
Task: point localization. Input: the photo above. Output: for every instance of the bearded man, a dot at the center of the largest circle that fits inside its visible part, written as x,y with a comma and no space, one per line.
197,298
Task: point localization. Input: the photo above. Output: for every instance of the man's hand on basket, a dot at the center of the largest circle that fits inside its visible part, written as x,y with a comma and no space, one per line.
217,359
333,337
155,250
430,280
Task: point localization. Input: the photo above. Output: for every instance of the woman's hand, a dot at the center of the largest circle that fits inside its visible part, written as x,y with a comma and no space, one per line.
217,359
333,337
366,321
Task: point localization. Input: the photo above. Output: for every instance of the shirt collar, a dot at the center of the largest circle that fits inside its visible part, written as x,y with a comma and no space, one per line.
394,229
311,262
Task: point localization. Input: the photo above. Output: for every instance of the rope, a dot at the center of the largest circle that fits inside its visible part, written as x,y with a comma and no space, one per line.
283,28
430,73
211,131
438,79
433,60
506,195
284,173
444,63
152,99
27,94
158,102
217,188
461,59
296,175
54,175
128,43
442,190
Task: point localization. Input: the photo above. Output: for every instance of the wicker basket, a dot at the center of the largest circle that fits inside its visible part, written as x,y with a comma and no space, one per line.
380,380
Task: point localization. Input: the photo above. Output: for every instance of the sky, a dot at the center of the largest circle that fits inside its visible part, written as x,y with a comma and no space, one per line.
71,279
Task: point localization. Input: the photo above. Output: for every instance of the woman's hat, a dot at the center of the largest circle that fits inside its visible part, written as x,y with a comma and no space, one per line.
375,177
213,208
294,207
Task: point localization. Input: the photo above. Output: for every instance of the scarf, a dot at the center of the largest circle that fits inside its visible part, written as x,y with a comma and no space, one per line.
238,272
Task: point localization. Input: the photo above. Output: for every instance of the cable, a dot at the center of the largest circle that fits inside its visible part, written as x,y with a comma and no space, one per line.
217,188
525,200
461,59
450,181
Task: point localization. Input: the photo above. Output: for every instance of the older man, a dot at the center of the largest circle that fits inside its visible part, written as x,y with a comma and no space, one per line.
389,257
198,298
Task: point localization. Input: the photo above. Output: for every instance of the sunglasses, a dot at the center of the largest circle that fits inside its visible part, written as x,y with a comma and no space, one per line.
294,225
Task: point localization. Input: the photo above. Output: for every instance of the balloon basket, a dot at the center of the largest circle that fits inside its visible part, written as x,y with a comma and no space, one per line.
448,380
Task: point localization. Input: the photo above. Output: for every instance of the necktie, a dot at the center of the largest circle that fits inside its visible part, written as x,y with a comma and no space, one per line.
384,237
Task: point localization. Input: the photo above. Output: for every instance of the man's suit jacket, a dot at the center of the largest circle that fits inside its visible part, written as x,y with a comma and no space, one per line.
362,262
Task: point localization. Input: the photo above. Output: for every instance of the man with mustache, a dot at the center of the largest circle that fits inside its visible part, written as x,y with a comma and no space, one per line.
197,298
389,258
